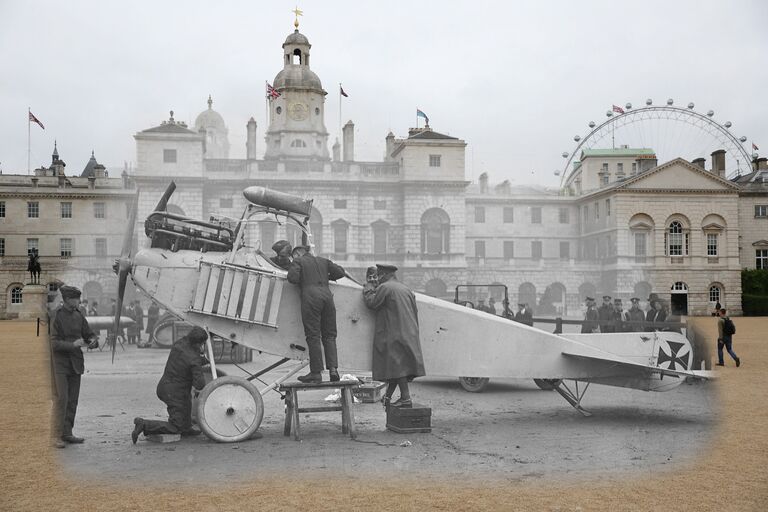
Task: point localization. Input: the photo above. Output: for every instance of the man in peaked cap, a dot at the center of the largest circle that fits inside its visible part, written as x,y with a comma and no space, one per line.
397,356
636,315
590,317
282,257
318,311
605,315
620,317
653,310
524,314
70,332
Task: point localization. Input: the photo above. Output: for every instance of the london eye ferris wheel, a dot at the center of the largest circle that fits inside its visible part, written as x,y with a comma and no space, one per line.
670,131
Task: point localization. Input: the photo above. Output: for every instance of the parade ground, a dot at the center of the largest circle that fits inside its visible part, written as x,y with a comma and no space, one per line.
701,446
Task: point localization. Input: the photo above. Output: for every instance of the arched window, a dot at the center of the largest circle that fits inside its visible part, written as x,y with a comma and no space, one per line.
298,143
526,294
16,295
380,230
715,293
676,238
679,287
436,288
435,232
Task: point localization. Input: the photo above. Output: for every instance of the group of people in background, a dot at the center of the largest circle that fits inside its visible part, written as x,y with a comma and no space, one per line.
613,317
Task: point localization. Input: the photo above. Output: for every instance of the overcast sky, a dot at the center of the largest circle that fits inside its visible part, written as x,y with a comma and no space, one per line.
515,80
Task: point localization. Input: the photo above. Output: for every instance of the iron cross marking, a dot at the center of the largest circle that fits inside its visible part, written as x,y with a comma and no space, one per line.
673,358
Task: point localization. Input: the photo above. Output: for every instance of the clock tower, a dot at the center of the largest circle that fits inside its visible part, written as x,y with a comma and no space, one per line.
296,117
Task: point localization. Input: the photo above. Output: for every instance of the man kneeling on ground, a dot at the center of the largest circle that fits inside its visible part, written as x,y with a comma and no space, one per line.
183,371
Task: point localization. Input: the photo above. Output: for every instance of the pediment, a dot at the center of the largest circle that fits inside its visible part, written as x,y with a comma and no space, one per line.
678,174
713,226
760,243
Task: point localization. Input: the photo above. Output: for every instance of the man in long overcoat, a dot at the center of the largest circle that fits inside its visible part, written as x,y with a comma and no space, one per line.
397,356
70,332
183,371
590,317
318,311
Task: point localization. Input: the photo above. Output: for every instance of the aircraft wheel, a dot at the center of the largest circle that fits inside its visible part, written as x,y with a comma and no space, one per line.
547,384
230,409
473,384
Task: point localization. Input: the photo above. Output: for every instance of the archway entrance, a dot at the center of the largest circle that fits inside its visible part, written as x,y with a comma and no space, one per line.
679,299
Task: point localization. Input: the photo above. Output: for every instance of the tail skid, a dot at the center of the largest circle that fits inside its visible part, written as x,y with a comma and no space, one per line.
574,396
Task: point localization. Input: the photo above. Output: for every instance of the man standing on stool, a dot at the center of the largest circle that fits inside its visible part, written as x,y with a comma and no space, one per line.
318,311
397,356
183,371
70,332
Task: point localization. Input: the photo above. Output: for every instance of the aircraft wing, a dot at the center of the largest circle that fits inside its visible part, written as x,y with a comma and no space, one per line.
609,361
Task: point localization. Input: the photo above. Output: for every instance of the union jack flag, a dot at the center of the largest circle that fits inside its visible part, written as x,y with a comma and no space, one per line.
754,147
33,119
618,109
272,93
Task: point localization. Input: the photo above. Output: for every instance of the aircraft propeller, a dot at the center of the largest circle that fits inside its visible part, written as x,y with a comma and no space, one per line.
122,267
163,203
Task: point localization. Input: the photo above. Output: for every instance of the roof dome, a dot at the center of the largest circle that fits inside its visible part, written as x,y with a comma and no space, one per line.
297,76
209,118
296,38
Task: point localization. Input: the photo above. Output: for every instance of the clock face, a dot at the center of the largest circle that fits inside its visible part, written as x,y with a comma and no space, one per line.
298,111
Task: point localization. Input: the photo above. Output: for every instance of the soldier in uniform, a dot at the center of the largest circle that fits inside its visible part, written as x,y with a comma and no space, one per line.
620,317
282,257
636,316
590,317
70,332
183,371
605,315
318,311
653,310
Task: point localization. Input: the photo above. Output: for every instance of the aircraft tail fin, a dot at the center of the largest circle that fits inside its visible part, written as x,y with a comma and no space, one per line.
610,360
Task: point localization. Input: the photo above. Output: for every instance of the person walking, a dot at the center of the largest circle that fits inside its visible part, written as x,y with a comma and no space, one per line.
725,331
589,325
70,332
183,371
318,311
397,356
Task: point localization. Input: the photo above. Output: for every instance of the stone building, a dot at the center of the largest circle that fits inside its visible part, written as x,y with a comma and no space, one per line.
76,223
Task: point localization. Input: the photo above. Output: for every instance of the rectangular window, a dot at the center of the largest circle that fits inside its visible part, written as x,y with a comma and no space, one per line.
2,209
620,168
480,248
604,168
604,179
564,215
597,210
434,160
509,249
225,202
99,211
536,215
379,204
607,207
640,246
340,239
33,209
509,215
761,258
169,156
761,210
66,210
711,244
33,243
100,247
536,250
634,168
380,239
2,247
340,204
479,214
565,250
586,213
65,247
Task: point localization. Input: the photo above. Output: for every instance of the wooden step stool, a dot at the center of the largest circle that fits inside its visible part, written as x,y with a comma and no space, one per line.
292,409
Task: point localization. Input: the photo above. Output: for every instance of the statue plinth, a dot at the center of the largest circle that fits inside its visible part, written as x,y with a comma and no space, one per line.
34,302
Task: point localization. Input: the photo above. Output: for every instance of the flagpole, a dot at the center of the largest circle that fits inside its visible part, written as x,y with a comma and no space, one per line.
29,138
340,137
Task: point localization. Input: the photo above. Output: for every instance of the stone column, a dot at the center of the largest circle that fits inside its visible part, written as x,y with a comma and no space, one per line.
34,303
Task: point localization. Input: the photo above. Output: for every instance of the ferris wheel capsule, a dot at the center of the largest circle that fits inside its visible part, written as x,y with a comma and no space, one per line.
565,154
755,155
649,102
628,106
591,124
577,138
690,105
710,113
557,172
608,113
727,124
670,101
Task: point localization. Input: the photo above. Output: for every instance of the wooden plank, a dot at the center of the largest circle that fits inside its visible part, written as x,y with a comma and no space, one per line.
288,413
213,285
274,304
245,311
226,289
261,301
237,283
202,287
328,408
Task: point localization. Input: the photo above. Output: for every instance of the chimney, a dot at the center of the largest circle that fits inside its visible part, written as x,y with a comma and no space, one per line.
250,141
99,171
699,162
762,163
336,151
390,146
718,162
91,182
349,141
484,183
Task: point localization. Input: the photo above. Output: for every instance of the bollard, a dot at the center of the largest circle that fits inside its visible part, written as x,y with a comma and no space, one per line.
38,327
